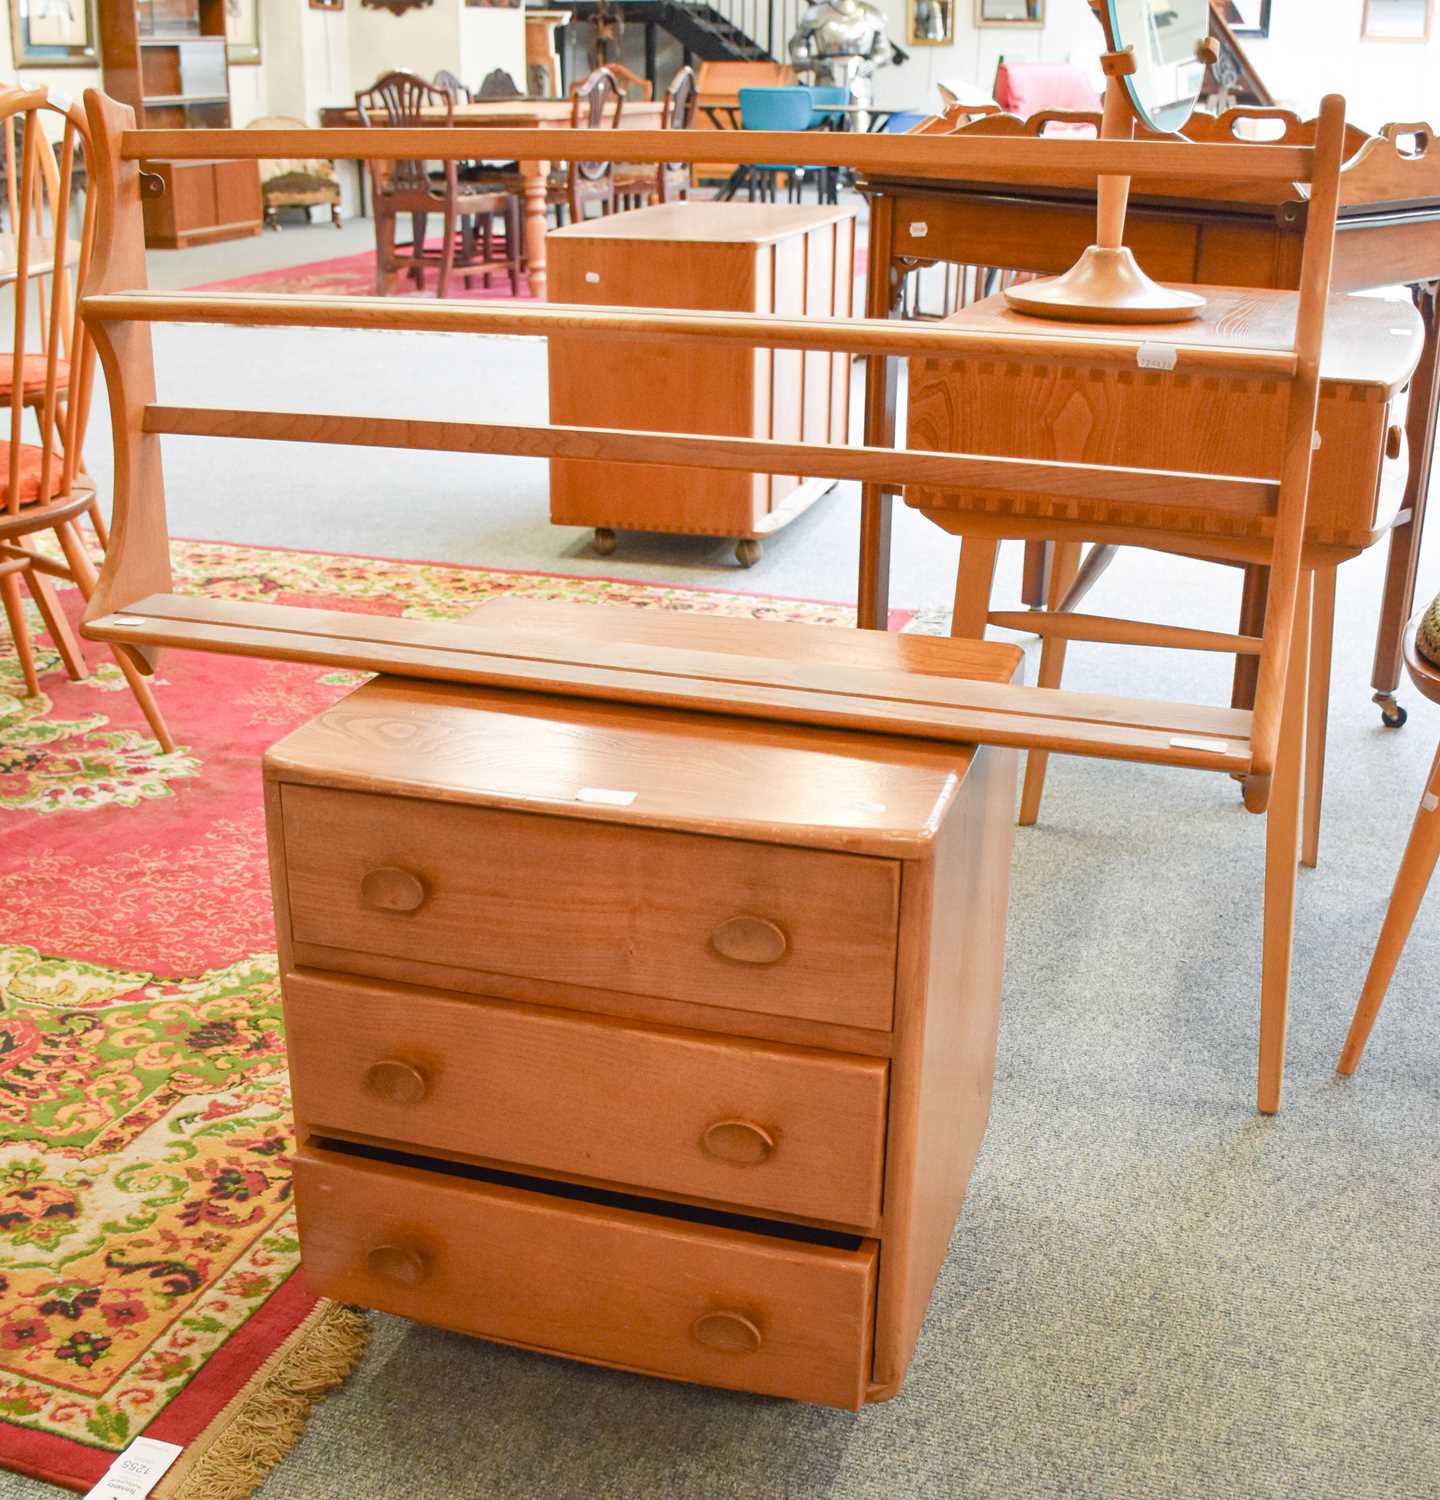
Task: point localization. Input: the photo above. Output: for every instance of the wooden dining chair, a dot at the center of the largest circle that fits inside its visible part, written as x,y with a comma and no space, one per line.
632,85
498,84
638,185
43,483
404,100
575,186
1166,508
458,91
1422,661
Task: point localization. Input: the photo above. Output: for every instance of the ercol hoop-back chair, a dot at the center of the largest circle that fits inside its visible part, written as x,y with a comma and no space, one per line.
404,101
1417,866
43,484
134,605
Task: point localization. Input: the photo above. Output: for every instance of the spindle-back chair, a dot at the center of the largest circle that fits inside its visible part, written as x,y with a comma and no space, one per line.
44,486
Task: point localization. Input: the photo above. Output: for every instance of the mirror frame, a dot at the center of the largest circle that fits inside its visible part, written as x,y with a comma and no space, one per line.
915,39
1034,15
1109,18
1366,35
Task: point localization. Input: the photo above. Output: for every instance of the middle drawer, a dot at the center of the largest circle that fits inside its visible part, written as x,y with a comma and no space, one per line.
787,1129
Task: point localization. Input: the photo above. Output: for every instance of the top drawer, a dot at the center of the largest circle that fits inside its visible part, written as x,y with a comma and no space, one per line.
756,927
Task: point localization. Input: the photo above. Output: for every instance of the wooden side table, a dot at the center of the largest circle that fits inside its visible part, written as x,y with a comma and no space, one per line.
790,259
660,1040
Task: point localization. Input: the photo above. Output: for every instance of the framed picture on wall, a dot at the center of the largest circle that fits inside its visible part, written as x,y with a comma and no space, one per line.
54,33
242,31
1396,20
1009,12
1248,17
932,22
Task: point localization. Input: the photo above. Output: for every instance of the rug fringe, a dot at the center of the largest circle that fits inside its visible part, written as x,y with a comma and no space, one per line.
265,1419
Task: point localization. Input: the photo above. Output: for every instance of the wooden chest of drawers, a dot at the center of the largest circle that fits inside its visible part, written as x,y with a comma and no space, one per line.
657,1039
794,260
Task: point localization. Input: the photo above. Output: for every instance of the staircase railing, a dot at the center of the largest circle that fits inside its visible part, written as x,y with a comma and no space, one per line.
768,23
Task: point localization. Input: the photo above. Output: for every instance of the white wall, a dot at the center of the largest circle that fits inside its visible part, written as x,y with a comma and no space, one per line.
310,58
1315,48
1070,34
467,40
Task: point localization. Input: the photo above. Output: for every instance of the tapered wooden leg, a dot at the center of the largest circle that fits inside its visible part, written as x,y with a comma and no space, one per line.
1064,566
447,252
58,624
1282,847
102,531
83,571
1416,868
973,580
19,631
1035,578
1322,639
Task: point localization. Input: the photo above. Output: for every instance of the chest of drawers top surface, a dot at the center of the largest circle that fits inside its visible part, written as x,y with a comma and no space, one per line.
747,779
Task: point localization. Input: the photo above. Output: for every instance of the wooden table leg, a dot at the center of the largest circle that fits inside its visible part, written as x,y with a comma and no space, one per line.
1414,875
1398,599
882,291
534,174
1035,580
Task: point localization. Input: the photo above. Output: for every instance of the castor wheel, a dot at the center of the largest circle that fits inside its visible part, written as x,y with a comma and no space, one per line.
604,541
1392,714
747,551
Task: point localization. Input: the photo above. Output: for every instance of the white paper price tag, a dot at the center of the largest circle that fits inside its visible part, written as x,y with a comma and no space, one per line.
137,1470
1156,356
606,796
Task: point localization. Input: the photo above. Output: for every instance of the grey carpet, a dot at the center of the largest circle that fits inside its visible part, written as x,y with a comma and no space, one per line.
1152,1291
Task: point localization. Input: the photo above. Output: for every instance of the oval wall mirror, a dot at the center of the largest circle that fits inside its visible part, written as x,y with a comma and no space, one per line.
1169,71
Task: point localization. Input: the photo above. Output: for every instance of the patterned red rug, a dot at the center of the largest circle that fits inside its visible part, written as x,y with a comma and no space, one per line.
148,1258
354,276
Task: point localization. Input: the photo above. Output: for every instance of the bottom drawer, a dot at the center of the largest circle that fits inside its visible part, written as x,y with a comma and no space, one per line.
688,1300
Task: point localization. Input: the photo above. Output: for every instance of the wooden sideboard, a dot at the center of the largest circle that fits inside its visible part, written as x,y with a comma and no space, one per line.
203,201
789,259
659,1040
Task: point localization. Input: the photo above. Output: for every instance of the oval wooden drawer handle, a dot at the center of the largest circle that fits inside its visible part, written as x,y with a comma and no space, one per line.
399,1263
750,940
731,1331
739,1141
1394,443
395,1082
392,889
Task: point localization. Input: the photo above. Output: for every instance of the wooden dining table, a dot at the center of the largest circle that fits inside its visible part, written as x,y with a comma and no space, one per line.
516,114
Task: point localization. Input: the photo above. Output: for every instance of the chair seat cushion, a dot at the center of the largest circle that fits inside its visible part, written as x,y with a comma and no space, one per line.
1025,88
292,188
31,459
32,373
